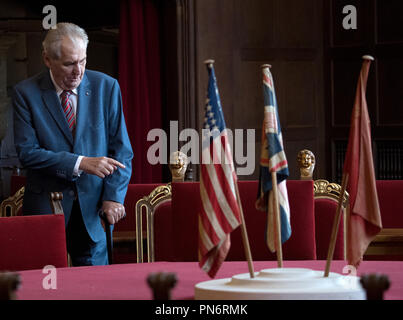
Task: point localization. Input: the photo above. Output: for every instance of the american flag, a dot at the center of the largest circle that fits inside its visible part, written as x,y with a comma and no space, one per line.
272,159
220,212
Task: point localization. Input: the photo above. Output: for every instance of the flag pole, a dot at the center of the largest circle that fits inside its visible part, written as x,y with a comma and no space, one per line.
279,251
245,239
336,223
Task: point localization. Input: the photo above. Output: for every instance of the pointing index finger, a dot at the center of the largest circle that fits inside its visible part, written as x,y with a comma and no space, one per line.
117,163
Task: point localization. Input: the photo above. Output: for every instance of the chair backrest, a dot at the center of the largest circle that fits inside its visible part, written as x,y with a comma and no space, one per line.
32,242
300,246
389,193
326,196
388,244
186,204
159,224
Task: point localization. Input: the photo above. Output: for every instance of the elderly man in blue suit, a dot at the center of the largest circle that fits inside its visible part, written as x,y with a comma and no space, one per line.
70,135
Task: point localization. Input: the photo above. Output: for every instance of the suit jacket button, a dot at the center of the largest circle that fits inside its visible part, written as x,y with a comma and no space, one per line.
71,193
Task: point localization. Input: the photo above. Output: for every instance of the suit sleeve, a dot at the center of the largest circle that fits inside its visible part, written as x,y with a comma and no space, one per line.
30,153
119,148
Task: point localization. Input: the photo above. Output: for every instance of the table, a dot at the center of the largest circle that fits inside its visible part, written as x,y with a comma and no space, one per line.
128,281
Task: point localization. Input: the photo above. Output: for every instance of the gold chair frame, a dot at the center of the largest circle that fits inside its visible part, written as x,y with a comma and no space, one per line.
159,195
324,189
10,206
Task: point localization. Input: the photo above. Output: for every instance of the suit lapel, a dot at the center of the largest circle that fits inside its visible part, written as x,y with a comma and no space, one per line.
52,103
83,104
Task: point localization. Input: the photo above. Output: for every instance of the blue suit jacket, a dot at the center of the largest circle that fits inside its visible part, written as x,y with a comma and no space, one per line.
47,150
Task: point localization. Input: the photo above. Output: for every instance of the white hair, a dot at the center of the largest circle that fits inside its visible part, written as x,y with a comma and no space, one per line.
54,37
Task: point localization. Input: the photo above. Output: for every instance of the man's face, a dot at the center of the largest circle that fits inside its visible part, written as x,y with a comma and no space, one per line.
69,69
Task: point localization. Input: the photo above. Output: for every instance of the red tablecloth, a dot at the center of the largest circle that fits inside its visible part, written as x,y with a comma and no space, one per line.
128,281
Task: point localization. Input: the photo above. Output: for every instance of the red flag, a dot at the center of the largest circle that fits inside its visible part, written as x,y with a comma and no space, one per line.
220,214
365,219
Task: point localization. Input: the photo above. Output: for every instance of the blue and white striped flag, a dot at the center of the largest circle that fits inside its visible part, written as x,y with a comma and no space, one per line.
272,159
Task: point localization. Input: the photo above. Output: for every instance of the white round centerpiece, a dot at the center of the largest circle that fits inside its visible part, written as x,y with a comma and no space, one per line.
282,284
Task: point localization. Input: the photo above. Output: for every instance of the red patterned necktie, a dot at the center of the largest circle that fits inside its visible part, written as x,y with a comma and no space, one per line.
68,109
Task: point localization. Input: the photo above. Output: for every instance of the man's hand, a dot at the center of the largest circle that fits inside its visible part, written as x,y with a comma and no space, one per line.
100,166
114,211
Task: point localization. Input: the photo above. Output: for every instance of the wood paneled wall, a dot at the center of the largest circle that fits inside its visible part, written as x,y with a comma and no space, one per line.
315,62
241,36
379,33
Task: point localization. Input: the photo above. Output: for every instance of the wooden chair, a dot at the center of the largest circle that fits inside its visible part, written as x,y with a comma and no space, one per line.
326,197
158,200
148,205
32,242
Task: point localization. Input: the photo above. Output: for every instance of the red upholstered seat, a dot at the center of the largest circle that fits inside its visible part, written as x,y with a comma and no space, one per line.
325,210
163,233
390,204
186,204
388,244
32,242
